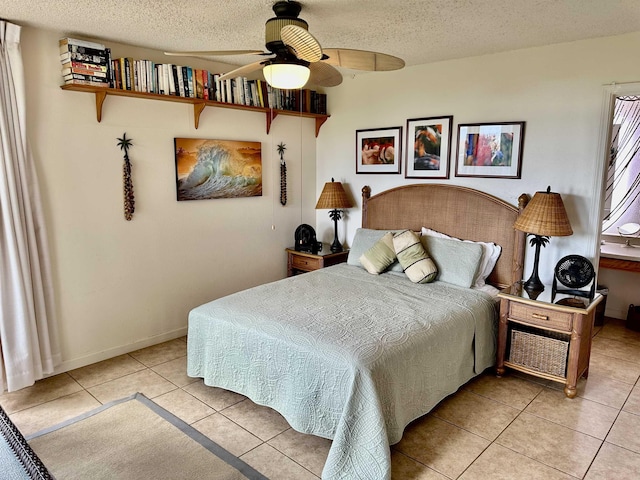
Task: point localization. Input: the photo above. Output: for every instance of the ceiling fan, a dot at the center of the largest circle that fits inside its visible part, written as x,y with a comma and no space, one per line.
296,56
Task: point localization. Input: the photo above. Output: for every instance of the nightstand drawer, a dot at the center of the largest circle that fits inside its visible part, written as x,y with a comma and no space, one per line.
542,317
306,263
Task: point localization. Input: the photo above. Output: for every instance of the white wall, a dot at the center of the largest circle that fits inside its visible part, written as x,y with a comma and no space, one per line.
557,91
123,285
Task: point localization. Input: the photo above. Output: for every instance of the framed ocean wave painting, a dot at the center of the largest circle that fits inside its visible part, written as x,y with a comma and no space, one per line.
208,169
428,147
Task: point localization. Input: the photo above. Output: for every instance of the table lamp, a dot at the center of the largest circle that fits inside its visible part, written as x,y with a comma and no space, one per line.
334,198
543,217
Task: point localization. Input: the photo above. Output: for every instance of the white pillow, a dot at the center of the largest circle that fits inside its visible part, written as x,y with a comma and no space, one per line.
490,254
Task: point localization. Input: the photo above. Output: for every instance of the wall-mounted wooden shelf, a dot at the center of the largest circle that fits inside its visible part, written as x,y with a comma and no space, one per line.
199,104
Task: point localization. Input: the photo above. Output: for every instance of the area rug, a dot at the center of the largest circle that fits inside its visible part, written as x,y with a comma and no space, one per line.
134,438
17,460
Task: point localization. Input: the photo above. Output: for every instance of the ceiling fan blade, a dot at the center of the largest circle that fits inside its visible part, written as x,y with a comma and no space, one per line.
362,60
216,53
305,46
244,71
324,75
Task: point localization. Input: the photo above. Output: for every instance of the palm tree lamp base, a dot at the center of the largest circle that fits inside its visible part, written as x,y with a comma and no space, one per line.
534,284
335,215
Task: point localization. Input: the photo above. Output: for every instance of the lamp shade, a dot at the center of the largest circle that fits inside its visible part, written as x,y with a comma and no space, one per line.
286,75
333,196
545,215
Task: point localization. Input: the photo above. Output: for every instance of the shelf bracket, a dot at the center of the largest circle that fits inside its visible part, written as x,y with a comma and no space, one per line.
197,110
271,114
319,122
100,96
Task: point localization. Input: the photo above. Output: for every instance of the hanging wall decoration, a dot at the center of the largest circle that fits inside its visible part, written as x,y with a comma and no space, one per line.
283,174
129,201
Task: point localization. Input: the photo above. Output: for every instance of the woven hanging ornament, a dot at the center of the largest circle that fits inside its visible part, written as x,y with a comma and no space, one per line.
283,174
129,200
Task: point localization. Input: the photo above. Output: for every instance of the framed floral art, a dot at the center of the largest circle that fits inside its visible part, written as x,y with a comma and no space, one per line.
491,150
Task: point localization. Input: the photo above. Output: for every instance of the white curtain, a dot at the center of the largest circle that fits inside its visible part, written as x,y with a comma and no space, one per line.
29,346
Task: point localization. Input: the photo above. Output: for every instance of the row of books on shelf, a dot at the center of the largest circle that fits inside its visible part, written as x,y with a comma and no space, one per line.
90,63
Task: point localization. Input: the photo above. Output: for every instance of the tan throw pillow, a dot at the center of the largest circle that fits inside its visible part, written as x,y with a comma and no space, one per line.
380,255
414,258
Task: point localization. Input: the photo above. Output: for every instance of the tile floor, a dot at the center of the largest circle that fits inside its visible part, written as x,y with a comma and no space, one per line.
511,428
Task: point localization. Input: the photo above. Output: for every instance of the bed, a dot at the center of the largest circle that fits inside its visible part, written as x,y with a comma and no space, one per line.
355,357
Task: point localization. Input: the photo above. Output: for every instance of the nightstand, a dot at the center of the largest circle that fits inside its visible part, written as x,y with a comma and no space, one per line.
545,337
300,262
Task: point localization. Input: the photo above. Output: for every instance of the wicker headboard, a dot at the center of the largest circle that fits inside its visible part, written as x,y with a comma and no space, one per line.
457,211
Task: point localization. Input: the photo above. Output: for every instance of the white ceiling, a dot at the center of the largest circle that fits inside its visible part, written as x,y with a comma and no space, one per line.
419,31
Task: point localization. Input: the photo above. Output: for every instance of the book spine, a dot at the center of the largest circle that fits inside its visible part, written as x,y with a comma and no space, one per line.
88,78
180,90
228,96
110,75
115,68
152,77
247,91
197,80
65,42
85,66
81,57
171,85
191,83
218,87
83,71
205,84
75,81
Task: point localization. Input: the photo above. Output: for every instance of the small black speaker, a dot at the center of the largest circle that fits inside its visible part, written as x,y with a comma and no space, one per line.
305,238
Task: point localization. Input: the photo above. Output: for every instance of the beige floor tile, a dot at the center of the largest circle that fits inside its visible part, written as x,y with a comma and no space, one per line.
632,403
625,432
477,414
51,413
405,468
175,371
614,368
617,330
146,382
161,353
42,391
441,446
273,464
614,463
216,398
184,406
554,445
307,450
499,463
616,348
509,389
264,422
605,390
106,371
228,435
576,413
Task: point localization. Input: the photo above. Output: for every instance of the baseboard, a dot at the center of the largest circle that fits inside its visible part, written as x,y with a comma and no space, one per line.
121,350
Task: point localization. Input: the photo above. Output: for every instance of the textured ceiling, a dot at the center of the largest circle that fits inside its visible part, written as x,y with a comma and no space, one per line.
419,31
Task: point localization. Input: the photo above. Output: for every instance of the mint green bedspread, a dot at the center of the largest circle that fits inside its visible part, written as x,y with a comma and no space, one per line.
345,355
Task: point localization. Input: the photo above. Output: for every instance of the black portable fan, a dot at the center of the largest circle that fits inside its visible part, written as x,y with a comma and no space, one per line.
575,272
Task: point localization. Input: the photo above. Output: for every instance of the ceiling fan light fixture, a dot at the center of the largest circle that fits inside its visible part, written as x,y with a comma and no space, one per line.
286,75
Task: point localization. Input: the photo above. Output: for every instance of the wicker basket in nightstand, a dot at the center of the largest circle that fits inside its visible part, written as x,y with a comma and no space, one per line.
546,354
